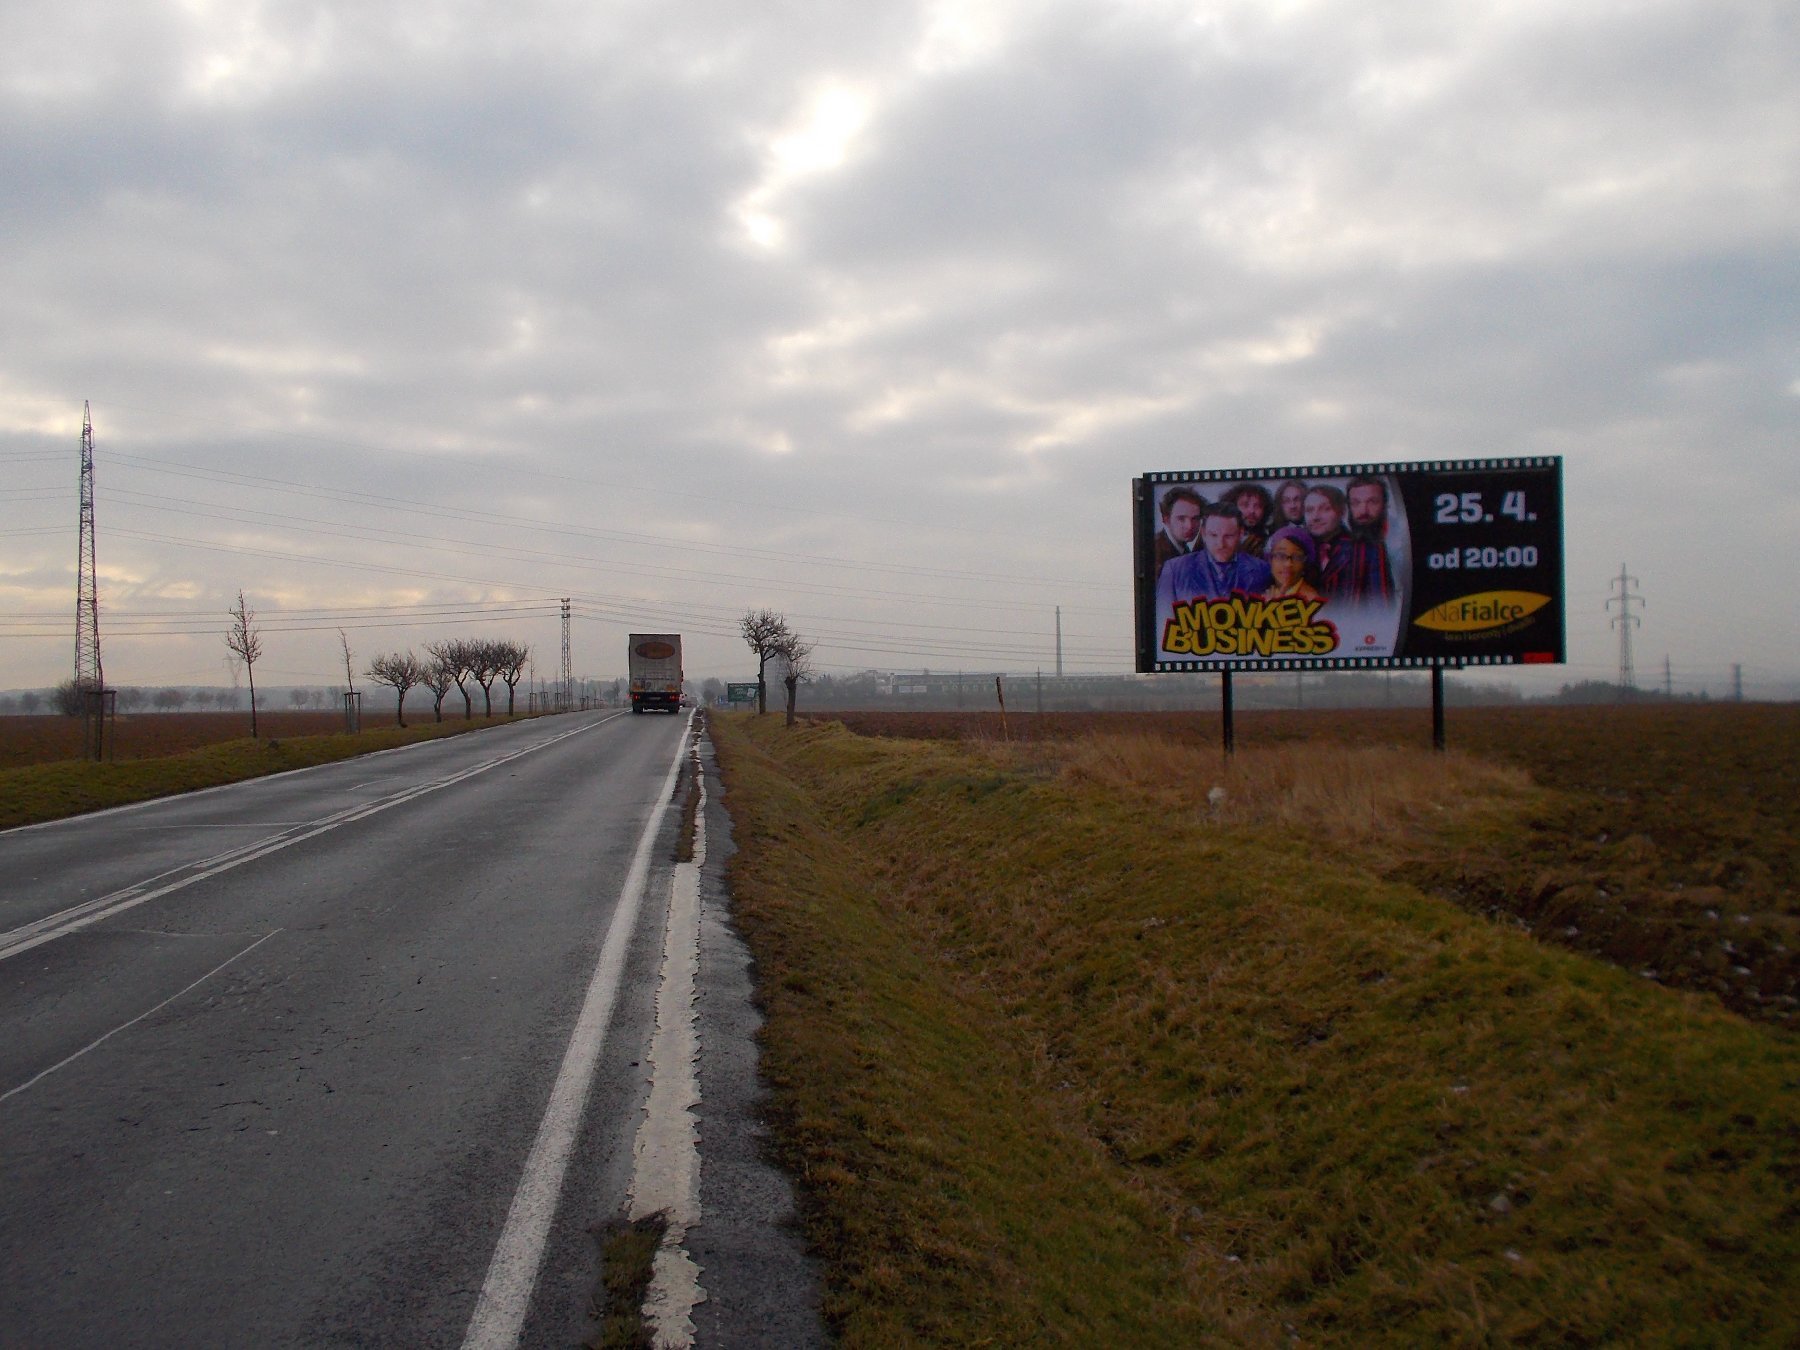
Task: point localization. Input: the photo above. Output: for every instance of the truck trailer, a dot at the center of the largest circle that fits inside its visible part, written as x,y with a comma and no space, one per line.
655,668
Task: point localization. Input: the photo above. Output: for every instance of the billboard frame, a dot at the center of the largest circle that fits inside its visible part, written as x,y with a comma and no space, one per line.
1547,645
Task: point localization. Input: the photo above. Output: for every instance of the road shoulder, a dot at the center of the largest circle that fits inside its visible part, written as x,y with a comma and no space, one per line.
762,1288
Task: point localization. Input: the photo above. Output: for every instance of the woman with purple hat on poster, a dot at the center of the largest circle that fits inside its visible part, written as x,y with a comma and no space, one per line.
1291,555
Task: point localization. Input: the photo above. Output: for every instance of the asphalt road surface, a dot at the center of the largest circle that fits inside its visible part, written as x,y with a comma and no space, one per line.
275,1058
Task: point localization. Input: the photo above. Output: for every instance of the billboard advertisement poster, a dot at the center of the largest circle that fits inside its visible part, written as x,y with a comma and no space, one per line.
1445,562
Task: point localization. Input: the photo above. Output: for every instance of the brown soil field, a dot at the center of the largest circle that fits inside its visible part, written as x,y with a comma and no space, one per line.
48,740
1668,842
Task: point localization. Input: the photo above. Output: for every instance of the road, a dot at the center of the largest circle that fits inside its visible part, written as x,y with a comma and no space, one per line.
277,1061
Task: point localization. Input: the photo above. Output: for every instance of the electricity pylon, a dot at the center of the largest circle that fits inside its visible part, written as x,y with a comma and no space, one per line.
568,676
1624,621
88,675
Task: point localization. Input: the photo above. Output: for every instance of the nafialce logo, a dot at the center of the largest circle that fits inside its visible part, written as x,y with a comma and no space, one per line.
1485,610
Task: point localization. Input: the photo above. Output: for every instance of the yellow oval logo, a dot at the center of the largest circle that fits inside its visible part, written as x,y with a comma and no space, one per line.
1489,609
655,651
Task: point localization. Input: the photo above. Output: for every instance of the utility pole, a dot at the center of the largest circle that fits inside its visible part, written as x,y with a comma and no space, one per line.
568,678
1668,681
1059,642
1737,683
1624,621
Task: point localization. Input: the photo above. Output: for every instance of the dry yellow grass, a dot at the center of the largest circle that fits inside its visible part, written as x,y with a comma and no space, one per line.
1346,793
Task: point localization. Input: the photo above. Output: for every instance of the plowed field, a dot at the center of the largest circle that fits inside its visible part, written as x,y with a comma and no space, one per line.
45,740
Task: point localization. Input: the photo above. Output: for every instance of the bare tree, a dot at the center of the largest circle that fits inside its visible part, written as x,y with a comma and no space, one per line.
457,656
245,643
436,675
797,652
512,659
349,668
400,671
764,631
70,698
484,668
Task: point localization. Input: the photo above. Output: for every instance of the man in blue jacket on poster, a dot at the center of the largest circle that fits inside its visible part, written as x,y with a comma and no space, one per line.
1216,569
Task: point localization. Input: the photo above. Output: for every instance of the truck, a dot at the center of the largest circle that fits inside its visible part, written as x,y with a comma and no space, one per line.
655,669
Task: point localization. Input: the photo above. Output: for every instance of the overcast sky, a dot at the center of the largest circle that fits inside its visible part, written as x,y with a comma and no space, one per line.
410,319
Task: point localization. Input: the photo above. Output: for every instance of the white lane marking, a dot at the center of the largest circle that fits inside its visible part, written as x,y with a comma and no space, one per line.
246,783
666,1160
65,1062
64,922
512,1273
244,825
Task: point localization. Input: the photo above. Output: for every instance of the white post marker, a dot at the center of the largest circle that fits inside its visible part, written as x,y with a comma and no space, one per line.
512,1273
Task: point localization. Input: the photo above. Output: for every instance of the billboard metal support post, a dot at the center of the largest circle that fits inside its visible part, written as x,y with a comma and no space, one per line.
1437,707
1225,712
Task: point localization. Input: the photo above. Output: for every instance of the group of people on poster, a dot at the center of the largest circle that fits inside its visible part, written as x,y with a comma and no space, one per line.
1314,540
1348,564
1311,567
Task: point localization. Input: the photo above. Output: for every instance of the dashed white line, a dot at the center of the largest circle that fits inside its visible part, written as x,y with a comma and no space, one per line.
100,1040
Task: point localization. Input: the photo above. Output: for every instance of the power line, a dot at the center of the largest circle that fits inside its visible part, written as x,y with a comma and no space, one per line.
657,571
388,502
611,609
514,467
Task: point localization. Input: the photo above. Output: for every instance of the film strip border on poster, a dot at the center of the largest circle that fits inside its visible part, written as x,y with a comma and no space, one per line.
1466,540
1355,470
1260,665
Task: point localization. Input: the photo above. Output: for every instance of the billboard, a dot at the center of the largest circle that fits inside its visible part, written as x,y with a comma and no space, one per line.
1448,562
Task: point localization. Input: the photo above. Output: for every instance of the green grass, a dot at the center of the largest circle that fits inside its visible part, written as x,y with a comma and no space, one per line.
1061,1058
40,792
931,1164
627,1265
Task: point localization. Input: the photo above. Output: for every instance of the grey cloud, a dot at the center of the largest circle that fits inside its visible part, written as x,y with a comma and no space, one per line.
491,255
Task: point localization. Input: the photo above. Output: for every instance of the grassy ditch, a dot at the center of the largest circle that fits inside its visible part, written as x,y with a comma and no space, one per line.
39,792
1668,841
1068,1048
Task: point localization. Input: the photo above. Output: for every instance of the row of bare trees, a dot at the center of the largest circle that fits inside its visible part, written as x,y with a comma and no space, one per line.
769,635
458,662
